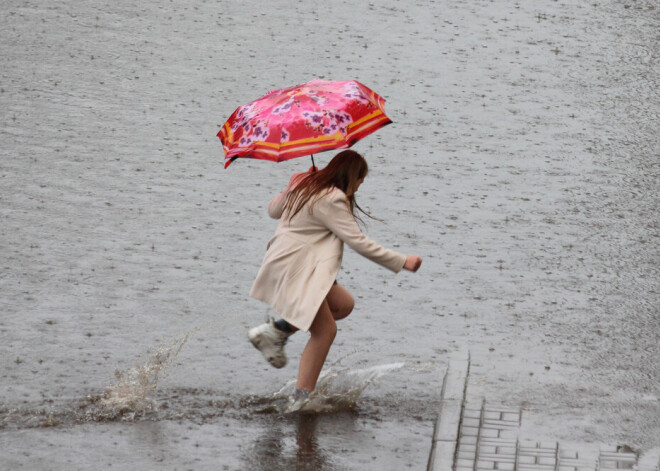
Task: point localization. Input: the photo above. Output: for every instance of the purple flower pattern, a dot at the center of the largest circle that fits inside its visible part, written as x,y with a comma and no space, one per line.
250,129
354,92
286,106
327,122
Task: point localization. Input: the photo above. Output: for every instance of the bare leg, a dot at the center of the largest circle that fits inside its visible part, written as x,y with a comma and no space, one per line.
340,301
323,331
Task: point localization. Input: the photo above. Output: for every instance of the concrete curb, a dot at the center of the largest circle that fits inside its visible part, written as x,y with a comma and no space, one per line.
448,423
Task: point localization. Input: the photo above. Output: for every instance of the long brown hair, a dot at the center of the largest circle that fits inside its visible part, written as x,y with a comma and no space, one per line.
344,171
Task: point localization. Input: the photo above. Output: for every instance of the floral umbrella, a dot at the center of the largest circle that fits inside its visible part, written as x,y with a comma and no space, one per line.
302,120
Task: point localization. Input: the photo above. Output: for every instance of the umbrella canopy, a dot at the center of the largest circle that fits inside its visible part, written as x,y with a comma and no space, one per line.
302,120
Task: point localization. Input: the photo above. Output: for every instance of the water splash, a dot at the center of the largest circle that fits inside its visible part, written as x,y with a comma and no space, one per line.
128,399
130,396
338,390
135,396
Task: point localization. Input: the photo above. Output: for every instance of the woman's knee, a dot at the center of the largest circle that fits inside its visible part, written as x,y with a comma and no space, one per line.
328,329
350,304
344,309
324,325
340,301
331,331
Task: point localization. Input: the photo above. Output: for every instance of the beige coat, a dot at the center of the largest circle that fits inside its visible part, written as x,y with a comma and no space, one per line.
304,256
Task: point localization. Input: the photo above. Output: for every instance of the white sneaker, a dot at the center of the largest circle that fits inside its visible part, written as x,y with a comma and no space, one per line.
270,341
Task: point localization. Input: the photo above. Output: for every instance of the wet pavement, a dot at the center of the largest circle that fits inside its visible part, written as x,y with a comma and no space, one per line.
522,165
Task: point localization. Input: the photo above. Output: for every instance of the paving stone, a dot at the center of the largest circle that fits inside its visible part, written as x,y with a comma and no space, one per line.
468,452
485,464
511,416
540,446
494,415
570,460
470,431
464,464
471,413
500,442
582,458
568,454
569,467
489,432
534,467
497,459
484,449
506,433
576,465
537,456
495,456
614,460
499,425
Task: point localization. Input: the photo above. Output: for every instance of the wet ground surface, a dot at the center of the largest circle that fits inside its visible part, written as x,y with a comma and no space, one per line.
522,165
191,428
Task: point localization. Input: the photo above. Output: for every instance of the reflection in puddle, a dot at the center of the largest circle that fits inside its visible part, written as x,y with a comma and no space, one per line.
294,444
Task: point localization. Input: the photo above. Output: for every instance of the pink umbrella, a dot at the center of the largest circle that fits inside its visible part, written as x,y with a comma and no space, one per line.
302,120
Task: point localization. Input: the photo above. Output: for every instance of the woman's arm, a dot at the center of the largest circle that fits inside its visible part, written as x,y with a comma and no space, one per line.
337,217
276,205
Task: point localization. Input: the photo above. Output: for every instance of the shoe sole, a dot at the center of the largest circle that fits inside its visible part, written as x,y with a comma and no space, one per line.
256,341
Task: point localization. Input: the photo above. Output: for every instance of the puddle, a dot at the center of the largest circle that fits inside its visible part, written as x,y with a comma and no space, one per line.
135,397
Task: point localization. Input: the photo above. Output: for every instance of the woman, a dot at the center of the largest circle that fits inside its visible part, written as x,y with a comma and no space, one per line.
298,274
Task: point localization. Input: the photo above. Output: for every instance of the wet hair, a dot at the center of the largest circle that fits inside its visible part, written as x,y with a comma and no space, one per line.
344,172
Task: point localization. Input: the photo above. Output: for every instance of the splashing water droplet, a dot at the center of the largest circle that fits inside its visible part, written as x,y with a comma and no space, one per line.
338,390
130,396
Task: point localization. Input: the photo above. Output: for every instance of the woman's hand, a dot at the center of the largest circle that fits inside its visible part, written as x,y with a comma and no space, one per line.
413,262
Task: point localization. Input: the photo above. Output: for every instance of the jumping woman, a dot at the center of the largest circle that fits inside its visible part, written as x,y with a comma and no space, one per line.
298,274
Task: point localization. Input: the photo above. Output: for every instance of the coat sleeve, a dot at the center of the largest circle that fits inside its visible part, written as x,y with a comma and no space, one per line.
337,217
276,205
